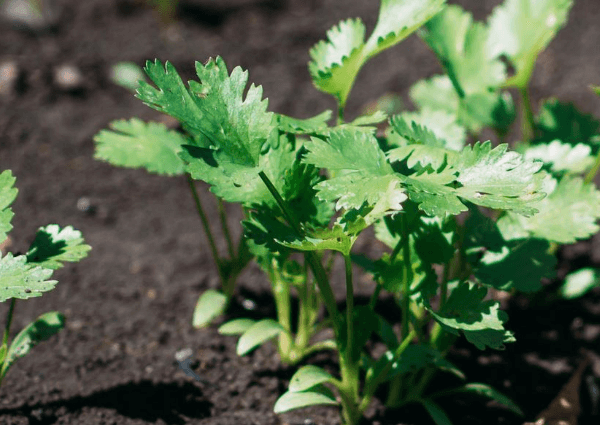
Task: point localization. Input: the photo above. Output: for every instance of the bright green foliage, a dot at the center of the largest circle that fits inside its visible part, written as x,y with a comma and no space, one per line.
470,89
135,144
562,157
335,63
307,377
7,195
568,213
53,246
367,175
319,395
235,126
482,322
441,123
564,122
488,177
312,125
460,44
521,29
21,280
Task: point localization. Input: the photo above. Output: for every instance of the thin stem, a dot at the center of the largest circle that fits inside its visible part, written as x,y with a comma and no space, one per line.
205,224
313,259
407,277
225,227
591,175
527,117
375,296
9,317
340,115
375,382
281,293
349,307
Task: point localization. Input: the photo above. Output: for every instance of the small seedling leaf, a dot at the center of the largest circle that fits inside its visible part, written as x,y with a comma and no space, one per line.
210,305
436,412
8,193
21,280
53,246
236,326
487,391
307,377
291,400
40,330
579,283
139,144
257,334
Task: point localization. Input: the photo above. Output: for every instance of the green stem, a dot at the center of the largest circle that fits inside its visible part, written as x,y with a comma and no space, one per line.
281,294
407,277
311,256
349,306
225,227
373,384
527,117
205,224
591,175
9,317
340,114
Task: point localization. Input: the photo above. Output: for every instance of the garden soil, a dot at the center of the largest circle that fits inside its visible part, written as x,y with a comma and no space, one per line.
129,304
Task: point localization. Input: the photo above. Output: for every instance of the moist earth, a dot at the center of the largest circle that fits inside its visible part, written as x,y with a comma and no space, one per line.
129,304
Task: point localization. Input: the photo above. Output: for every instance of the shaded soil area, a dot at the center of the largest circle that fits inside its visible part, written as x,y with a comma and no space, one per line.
129,305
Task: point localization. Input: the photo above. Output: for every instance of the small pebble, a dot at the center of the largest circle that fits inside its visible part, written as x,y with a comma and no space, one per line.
9,73
68,78
31,15
181,355
249,304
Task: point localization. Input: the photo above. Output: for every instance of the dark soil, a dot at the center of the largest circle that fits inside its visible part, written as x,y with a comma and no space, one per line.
129,305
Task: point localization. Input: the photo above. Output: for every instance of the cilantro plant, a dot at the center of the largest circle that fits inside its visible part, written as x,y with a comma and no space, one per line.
459,219
26,276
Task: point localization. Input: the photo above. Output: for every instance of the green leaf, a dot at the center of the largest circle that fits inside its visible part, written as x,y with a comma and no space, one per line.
7,195
312,125
506,264
482,322
54,246
562,157
578,283
374,118
565,122
236,326
21,280
367,176
492,178
336,62
436,412
568,213
489,392
448,133
460,44
229,122
210,305
258,334
292,400
40,330
307,377
521,29
136,144
488,108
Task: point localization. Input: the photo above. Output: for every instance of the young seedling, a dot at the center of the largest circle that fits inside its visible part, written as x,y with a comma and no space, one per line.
27,276
458,219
